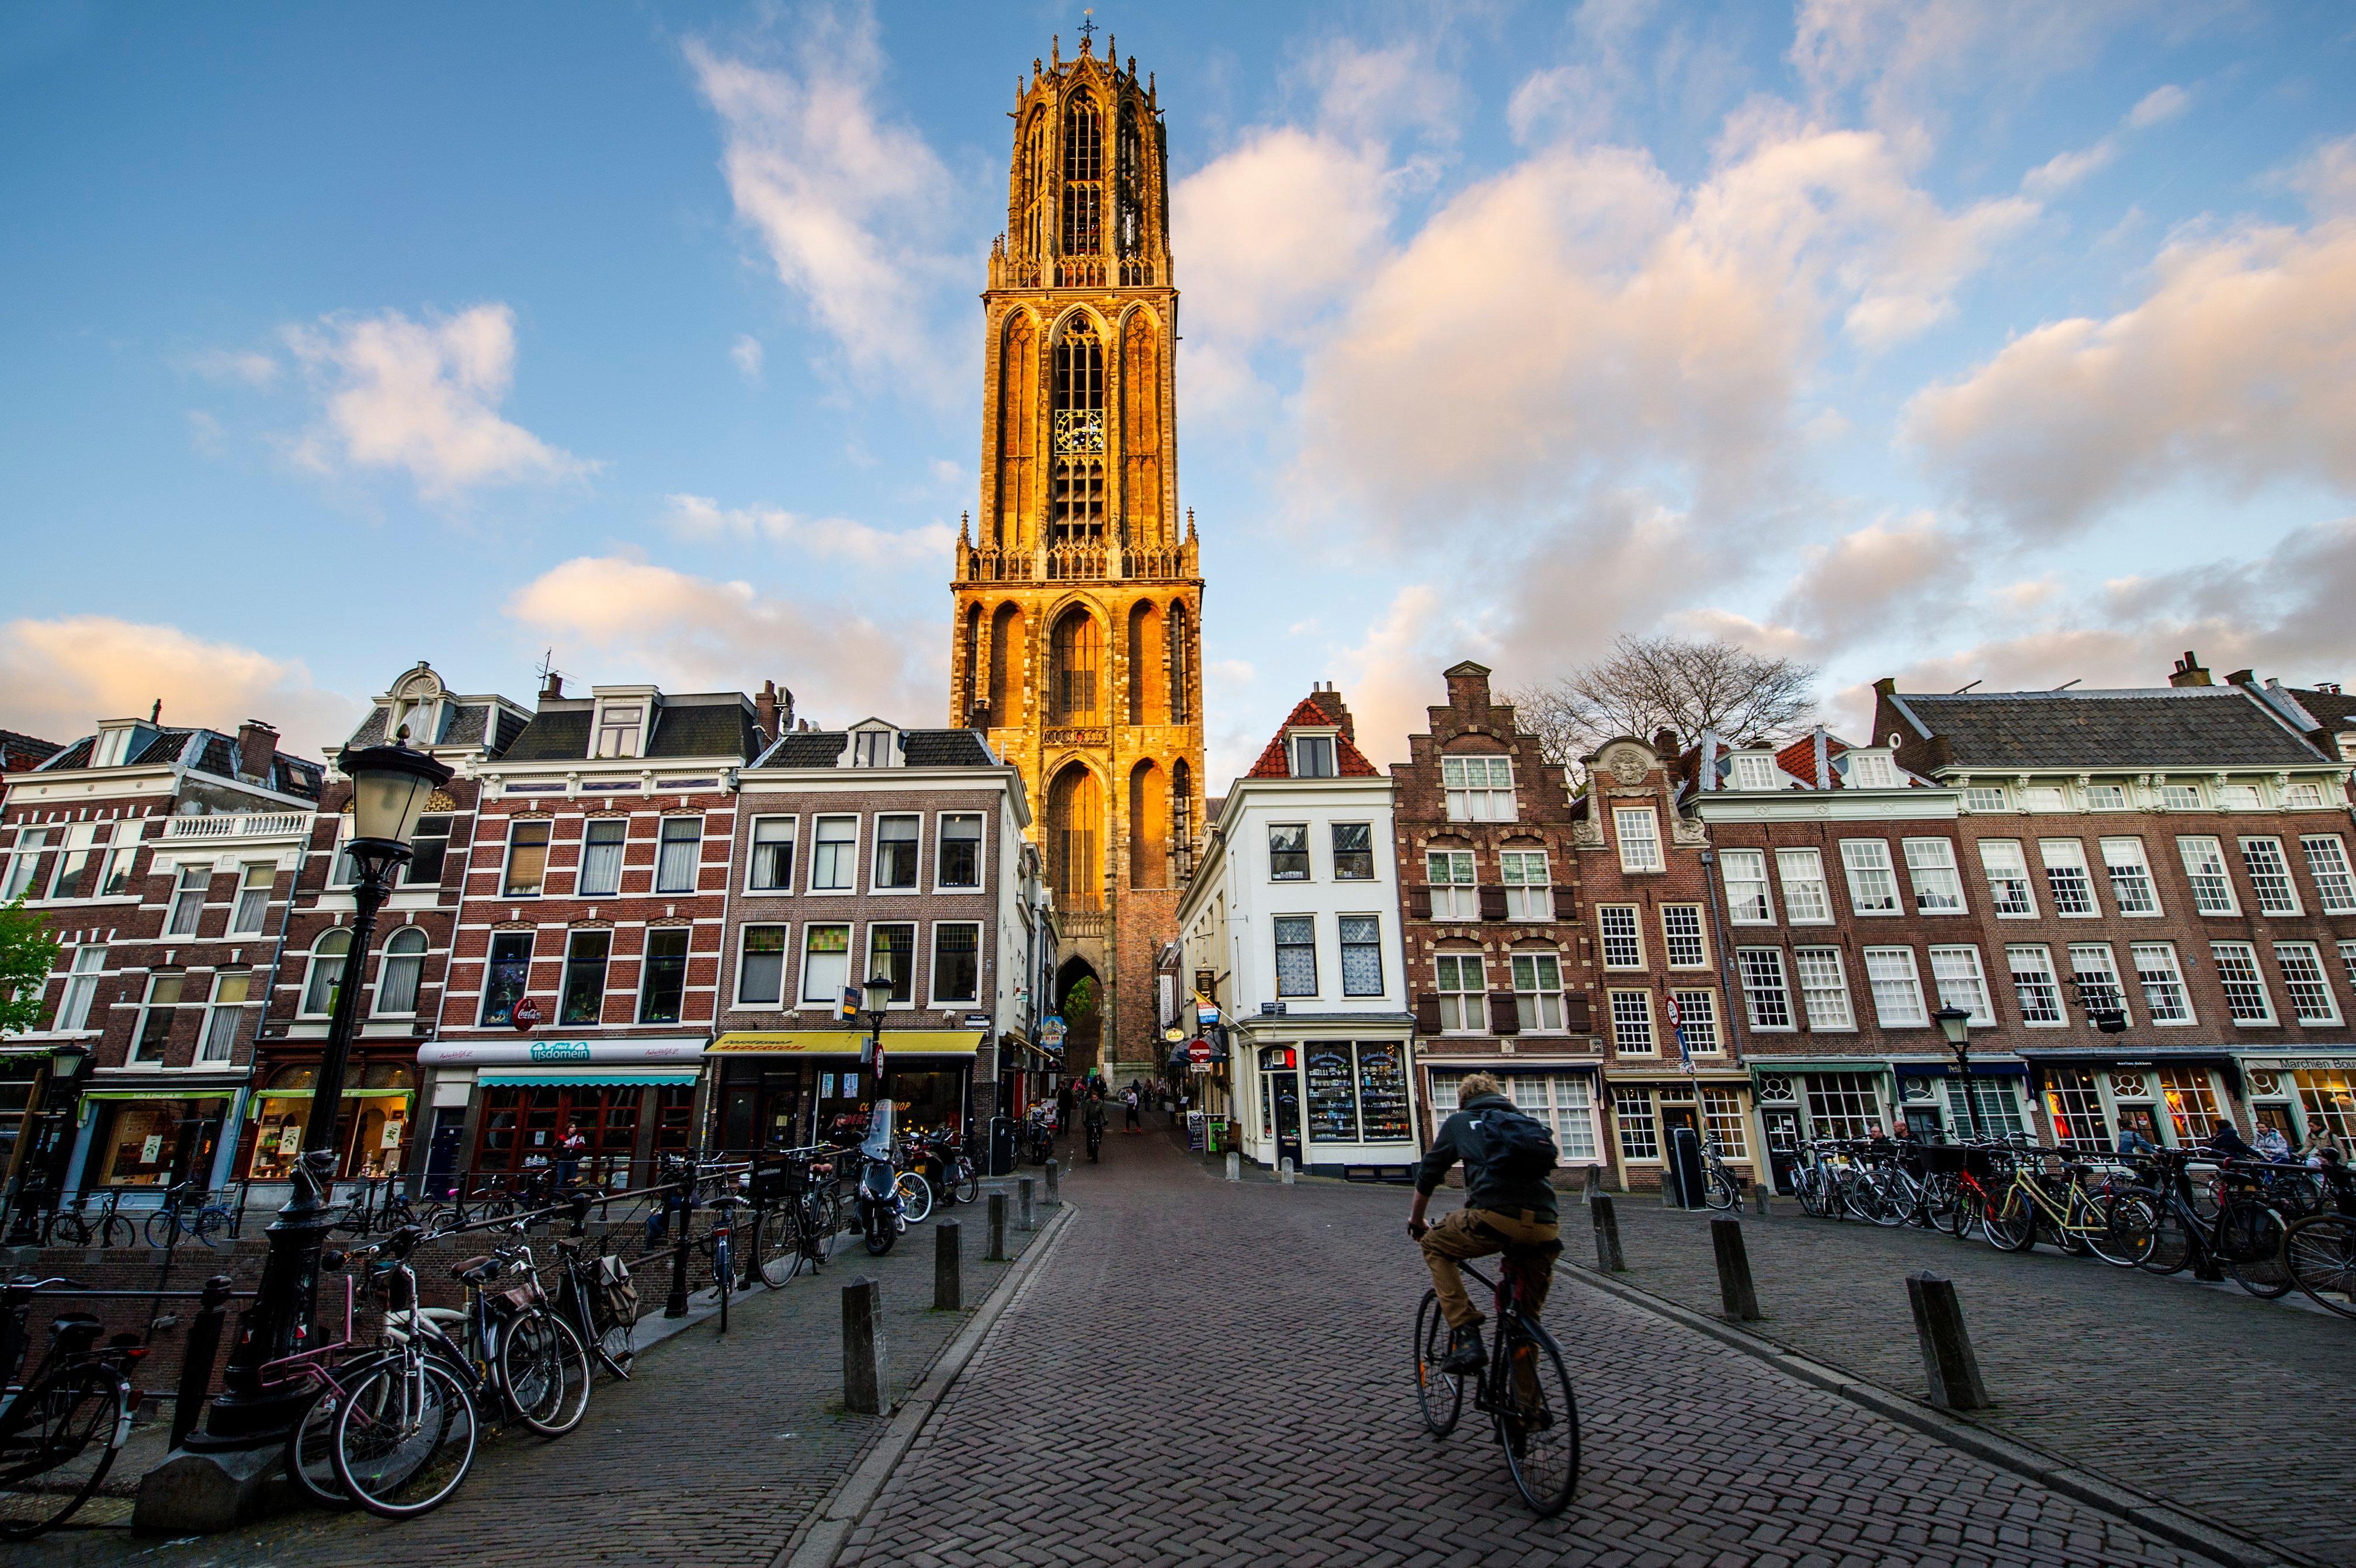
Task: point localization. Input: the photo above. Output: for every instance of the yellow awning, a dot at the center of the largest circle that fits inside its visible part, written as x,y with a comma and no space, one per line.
846,1042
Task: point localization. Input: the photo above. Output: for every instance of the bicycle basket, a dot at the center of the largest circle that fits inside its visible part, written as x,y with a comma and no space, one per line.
618,1296
1944,1159
509,1303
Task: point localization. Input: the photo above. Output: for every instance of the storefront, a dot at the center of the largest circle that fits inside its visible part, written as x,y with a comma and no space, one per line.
2306,1095
1649,1104
1330,1096
1799,1099
2173,1095
1934,1105
792,1088
372,1127
149,1139
21,1069
501,1110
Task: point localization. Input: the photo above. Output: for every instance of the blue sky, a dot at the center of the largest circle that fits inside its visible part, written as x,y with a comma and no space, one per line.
1946,341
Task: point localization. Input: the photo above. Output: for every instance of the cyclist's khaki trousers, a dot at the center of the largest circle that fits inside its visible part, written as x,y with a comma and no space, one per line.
1477,1233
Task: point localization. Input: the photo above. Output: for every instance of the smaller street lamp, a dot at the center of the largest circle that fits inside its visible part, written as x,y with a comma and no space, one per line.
875,999
1955,1023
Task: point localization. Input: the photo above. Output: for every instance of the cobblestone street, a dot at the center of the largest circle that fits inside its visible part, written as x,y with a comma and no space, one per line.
1216,1373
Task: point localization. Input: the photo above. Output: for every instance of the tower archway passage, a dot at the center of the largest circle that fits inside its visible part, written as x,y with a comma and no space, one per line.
1081,563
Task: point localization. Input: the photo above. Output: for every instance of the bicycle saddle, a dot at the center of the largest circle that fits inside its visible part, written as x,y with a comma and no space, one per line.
475,1270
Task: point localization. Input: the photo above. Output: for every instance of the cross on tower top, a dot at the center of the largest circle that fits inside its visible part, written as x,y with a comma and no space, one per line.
1088,29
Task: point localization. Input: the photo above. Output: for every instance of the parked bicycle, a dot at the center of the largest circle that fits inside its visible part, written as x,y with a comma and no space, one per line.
1525,1390
2320,1248
187,1211
109,1228
62,1427
2245,1235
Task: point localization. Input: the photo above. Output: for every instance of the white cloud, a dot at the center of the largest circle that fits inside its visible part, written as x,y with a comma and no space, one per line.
2160,105
2233,369
747,353
422,397
694,633
58,677
1901,57
2062,170
1391,676
245,366
1275,231
834,538
846,201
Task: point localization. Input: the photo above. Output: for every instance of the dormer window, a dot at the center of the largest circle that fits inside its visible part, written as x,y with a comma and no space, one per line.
620,731
873,744
114,749
1754,772
1312,755
1871,770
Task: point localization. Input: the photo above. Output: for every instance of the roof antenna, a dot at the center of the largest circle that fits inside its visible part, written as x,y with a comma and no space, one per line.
1961,689
2067,684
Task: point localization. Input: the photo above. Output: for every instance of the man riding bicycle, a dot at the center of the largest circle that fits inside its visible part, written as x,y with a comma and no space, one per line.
1509,1208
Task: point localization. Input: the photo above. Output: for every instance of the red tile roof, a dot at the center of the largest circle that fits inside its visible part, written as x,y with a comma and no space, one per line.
1348,761
1799,759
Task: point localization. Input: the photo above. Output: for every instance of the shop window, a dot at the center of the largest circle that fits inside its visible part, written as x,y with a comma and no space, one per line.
156,1020
583,997
280,1110
773,855
1353,851
2077,1112
761,970
1745,871
2329,1100
519,1130
1721,1122
252,910
1296,955
1844,1105
404,969
1361,955
222,1016
603,843
506,976
891,950
429,847
1288,852
1529,888
826,963
664,984
960,852
2190,1096
1696,1021
188,899
957,966
1640,1138
676,859
1992,1101
154,1142
526,860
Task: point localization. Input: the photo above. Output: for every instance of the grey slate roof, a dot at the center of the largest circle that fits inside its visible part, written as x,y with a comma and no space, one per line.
216,754
683,727
2191,726
562,735
2335,711
925,748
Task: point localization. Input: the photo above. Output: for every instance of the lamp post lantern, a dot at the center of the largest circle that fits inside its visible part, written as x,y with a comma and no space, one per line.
391,785
1955,1023
875,999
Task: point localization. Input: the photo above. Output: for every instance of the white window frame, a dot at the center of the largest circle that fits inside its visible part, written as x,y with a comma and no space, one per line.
2056,856
2157,969
916,883
178,979
1308,872
1986,797
2116,800
1962,973
2206,869
507,858
1342,941
848,855
83,971
1526,898
246,897
620,719
1706,996
2260,847
810,928
1930,868
2319,981
1485,802
1756,968
1863,861
215,1045
2044,976
2225,955
1463,898
1630,931
663,843
1754,770
1871,770
933,965
1749,901
2104,972
1645,843
2181,798
1278,947
752,846
1671,938
621,848
1538,1008
1823,981
776,1004
2008,878
1633,1034
916,950
1471,1006
2328,867
1312,748
31,844
980,821
74,855
1807,895
2135,892
385,957
189,877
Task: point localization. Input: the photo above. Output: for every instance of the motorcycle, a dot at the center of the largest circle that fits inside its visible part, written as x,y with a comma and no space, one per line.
880,1217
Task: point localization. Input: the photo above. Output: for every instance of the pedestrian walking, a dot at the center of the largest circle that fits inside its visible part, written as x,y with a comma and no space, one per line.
569,1150
2271,1143
1064,1103
1130,1122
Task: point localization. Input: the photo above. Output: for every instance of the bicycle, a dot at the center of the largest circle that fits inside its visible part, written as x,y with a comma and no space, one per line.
957,1180
720,1244
595,1299
213,1219
1535,1420
2320,1248
916,1192
63,1426
1720,1189
797,1232
72,1229
2244,1237
2119,1229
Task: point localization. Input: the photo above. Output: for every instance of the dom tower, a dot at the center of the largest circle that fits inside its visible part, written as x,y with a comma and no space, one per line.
1079,596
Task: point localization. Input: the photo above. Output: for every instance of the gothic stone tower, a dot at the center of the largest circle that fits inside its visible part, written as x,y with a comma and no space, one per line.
1079,598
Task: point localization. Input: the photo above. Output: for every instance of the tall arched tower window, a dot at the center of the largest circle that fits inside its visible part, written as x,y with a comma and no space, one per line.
1079,652
1181,707
1075,818
1018,432
1146,700
1006,666
1080,435
1141,431
1083,177
1181,807
1149,827
970,659
1128,173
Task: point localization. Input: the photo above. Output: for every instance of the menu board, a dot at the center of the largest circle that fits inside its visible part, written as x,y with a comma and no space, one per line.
1382,1091
1333,1094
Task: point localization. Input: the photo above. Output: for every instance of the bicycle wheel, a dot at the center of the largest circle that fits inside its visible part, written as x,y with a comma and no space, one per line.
2012,1225
55,1461
69,1230
1890,1202
2254,1250
1717,1191
1811,1195
1537,1416
1439,1394
311,1451
116,1231
545,1372
2171,1244
968,1184
2126,1233
777,1246
915,1196
212,1224
163,1228
405,1437
2320,1252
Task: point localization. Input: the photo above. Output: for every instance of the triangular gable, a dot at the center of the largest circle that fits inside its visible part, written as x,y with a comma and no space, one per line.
1349,762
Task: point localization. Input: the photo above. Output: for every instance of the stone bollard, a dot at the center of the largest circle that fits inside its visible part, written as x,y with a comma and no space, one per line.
1030,1192
862,1349
1607,1237
1235,1165
1284,1170
1948,1363
1761,1201
948,1266
1735,1290
1054,1185
1594,1182
996,1253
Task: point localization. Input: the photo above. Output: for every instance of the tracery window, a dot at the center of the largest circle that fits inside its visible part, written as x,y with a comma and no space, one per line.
1083,178
1079,473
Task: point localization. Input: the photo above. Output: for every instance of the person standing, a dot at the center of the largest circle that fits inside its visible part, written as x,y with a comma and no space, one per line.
1064,1102
569,1150
1129,1120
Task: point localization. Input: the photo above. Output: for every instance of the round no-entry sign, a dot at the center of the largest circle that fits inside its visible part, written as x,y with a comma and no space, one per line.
527,1013
1198,1051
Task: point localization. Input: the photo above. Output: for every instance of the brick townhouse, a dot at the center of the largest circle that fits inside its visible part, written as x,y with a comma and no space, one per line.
1654,955
403,979
596,886
875,850
165,860
24,1065
1498,967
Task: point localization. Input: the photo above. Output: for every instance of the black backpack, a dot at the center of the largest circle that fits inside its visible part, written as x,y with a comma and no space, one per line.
1513,1147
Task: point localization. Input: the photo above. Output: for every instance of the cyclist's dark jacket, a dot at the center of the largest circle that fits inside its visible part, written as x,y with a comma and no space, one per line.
1459,1140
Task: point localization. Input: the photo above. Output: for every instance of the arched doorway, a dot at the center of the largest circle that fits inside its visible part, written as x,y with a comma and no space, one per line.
1074,837
1080,1001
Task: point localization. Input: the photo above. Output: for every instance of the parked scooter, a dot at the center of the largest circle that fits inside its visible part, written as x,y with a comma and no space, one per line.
880,1217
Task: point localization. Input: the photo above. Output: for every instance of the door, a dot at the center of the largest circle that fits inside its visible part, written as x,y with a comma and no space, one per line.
1925,1124
1782,1124
1287,1120
441,1153
1676,1116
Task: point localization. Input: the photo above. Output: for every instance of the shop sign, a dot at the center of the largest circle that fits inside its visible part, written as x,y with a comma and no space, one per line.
684,1051
2300,1064
149,1150
526,1014
559,1050
1051,1031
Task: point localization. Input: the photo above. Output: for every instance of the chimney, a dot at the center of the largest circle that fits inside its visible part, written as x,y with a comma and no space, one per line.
1336,709
2243,678
553,687
764,709
257,744
1664,742
2189,672
1468,687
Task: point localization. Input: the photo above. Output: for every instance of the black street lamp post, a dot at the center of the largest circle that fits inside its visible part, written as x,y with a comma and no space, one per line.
1955,1023
390,787
875,999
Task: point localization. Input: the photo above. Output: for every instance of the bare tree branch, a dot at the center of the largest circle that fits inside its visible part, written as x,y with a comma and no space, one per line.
1683,684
